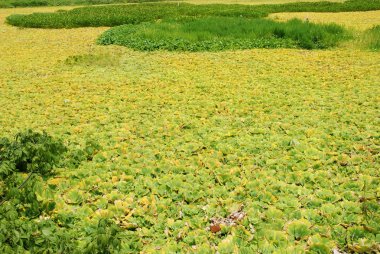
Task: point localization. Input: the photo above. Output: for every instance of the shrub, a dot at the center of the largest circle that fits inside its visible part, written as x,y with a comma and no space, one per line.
26,220
35,154
29,152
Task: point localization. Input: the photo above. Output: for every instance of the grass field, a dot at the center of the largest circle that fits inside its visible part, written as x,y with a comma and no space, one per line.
290,134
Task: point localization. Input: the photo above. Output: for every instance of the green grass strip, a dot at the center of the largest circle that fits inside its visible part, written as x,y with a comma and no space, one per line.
134,14
221,33
35,3
128,14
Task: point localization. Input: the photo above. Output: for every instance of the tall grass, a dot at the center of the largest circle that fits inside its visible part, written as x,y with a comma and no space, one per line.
134,14
221,33
25,3
127,14
371,38
324,6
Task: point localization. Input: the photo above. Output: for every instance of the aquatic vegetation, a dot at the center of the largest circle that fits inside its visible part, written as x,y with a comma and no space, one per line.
215,34
133,14
188,138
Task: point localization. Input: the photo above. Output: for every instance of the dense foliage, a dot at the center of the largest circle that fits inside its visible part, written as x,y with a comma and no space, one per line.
215,34
27,221
29,153
127,14
23,163
25,3
134,14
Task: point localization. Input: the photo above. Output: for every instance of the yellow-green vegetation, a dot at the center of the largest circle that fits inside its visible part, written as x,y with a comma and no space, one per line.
362,23
293,135
371,39
358,20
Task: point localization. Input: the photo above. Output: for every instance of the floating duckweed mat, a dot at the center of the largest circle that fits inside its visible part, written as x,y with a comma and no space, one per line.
286,139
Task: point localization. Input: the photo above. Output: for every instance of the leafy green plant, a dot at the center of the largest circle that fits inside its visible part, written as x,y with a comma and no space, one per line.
26,219
298,229
77,154
29,152
104,238
23,163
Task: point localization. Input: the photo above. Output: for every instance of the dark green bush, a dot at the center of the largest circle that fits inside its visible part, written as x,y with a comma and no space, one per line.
29,152
27,224
34,154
